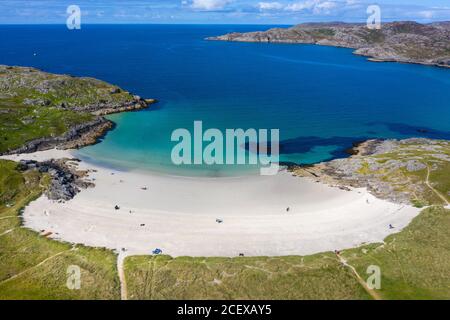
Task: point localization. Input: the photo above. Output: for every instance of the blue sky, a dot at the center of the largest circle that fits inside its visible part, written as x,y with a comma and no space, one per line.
219,11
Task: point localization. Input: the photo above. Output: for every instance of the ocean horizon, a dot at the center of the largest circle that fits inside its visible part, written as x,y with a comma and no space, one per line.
322,99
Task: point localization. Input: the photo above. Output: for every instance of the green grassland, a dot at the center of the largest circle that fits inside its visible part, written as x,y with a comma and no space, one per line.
293,277
321,33
415,262
34,267
35,104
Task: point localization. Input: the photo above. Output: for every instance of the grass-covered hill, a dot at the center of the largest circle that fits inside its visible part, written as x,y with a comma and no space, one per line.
39,110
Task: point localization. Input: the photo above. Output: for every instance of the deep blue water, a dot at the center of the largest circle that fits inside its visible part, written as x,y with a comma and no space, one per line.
321,98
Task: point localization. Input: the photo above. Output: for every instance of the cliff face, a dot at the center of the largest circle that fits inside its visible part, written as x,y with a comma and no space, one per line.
40,110
409,42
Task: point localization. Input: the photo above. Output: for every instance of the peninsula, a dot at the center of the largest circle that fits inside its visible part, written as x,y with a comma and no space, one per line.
40,110
404,41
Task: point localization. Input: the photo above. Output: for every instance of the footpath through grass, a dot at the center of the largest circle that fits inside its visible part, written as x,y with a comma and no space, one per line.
314,277
415,263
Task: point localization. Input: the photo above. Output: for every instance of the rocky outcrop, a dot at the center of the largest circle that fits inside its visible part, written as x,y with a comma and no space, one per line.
138,104
408,42
65,181
395,170
31,99
77,137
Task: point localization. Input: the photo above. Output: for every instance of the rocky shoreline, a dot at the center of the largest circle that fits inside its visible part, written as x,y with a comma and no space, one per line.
394,170
404,41
80,135
65,180
77,137
32,101
36,90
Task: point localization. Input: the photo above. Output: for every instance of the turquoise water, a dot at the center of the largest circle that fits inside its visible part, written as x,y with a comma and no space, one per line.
322,99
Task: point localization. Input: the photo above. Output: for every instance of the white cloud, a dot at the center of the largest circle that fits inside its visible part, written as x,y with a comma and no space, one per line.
209,4
325,7
315,6
270,6
302,5
427,14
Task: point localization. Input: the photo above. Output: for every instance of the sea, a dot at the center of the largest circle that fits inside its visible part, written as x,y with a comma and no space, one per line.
322,99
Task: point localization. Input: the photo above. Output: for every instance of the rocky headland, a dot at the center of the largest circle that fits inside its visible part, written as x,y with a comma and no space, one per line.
405,41
40,110
410,171
65,180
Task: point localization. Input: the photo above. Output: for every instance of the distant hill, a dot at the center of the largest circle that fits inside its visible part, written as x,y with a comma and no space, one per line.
404,41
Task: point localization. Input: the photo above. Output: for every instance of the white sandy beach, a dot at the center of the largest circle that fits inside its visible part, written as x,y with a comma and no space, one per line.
178,215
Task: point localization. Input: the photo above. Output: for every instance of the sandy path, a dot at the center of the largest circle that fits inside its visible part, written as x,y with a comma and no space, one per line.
361,281
121,271
178,215
6,232
433,189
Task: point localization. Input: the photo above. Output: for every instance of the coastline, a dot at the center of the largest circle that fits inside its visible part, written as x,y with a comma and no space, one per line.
385,44
107,99
256,222
82,135
370,58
